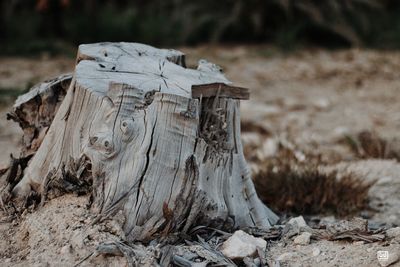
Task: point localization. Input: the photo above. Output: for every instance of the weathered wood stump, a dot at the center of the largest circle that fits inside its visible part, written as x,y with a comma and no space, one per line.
163,142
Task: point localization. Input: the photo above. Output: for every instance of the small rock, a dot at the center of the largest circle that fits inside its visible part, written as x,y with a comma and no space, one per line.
302,239
299,221
7,260
316,252
66,249
295,226
358,243
241,245
393,232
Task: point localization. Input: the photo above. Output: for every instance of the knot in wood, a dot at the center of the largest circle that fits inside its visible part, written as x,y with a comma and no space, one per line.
102,143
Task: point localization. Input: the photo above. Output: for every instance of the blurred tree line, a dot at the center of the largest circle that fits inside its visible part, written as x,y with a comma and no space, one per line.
29,26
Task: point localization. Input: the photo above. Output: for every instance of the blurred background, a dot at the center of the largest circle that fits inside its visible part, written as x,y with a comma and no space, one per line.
57,26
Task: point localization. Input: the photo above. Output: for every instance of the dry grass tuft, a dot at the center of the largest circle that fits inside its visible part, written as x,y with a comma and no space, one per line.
288,179
367,144
300,190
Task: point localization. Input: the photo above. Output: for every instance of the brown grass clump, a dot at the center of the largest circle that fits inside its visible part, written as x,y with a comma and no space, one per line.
367,144
287,189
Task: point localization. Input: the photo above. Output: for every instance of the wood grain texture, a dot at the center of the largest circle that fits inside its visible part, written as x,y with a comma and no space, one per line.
163,158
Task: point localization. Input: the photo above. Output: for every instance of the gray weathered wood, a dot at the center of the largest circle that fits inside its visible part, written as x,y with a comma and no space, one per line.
159,155
35,110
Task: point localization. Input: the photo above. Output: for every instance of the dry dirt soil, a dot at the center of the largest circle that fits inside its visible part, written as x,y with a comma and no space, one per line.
310,97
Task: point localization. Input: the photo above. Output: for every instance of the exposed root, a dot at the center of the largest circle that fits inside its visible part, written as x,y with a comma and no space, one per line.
76,178
13,174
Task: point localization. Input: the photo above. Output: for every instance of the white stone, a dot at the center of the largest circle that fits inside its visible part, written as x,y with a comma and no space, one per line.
316,252
241,245
299,221
302,239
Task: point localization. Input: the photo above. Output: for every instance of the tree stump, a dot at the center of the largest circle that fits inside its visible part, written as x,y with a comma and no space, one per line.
163,142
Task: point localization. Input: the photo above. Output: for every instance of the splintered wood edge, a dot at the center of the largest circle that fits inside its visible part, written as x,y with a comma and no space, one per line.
220,90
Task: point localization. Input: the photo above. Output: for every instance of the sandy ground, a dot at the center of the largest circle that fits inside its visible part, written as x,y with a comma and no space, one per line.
312,98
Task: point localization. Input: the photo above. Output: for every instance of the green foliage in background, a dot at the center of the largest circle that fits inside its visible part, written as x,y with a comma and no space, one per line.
30,26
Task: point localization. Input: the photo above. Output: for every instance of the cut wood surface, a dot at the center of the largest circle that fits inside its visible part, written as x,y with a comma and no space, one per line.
159,156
